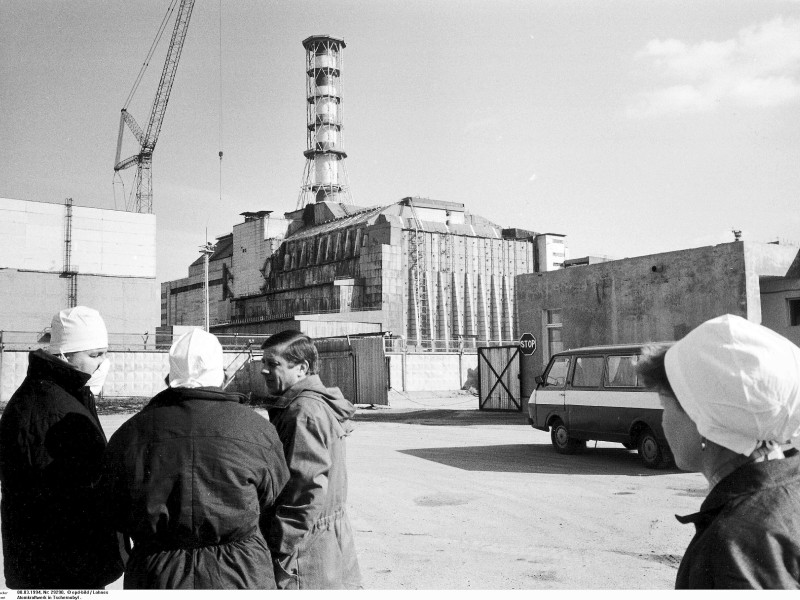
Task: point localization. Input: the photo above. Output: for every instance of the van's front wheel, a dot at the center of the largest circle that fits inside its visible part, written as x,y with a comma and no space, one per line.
562,442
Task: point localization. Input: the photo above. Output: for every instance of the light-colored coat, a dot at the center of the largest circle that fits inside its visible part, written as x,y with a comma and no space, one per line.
310,536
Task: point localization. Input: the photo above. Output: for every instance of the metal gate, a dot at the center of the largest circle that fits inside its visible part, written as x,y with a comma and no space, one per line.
357,366
499,378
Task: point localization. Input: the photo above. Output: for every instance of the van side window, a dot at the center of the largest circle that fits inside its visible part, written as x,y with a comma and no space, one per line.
621,372
588,371
557,373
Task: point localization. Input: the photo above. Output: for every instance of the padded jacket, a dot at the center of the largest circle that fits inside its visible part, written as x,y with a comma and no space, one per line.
310,534
51,447
747,531
189,479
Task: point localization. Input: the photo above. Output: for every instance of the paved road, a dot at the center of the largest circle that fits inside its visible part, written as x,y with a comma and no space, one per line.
443,498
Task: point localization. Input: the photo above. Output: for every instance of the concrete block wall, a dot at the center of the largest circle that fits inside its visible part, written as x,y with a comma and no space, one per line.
430,371
131,374
250,250
103,242
28,300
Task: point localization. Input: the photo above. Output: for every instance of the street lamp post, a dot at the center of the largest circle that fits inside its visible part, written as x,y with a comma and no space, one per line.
207,250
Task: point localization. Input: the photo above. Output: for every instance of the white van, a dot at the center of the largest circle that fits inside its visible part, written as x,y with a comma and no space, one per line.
594,393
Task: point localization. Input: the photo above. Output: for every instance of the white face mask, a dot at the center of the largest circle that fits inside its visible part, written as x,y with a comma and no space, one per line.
98,378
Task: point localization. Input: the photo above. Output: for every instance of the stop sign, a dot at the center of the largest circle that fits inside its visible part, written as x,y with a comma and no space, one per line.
527,344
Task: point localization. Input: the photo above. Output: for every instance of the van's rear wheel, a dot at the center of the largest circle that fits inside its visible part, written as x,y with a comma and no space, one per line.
562,442
653,455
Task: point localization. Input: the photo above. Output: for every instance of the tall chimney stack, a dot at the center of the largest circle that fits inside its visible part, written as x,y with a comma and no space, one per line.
324,176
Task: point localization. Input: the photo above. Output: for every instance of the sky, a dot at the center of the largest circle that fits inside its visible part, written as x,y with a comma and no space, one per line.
632,127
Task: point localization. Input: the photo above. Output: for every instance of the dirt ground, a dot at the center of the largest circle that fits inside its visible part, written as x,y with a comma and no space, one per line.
446,497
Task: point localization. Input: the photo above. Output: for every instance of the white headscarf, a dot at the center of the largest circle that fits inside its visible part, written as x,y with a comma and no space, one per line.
76,329
738,381
195,360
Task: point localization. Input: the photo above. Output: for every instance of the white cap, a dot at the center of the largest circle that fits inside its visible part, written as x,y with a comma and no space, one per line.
195,360
76,329
738,381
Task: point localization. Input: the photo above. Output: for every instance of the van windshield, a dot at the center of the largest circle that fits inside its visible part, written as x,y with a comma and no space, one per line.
557,373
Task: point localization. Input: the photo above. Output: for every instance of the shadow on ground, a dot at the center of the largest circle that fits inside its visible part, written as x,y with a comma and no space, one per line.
538,458
445,417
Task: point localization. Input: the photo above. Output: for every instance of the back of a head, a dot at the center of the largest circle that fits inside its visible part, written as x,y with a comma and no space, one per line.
195,360
738,381
77,329
295,347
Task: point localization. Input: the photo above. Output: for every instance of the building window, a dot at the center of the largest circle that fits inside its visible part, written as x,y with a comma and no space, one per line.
794,311
552,332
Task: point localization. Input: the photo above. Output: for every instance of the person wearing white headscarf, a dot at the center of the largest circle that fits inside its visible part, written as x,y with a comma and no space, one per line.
51,446
731,396
191,477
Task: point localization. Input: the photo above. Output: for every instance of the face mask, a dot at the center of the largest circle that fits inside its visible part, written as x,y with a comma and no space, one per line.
98,378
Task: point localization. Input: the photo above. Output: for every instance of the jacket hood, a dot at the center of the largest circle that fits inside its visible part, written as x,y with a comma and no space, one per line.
341,406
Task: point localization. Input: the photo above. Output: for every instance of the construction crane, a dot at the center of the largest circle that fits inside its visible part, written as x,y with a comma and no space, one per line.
142,193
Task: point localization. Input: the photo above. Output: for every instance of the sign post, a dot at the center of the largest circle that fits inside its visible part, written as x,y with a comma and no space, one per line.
527,344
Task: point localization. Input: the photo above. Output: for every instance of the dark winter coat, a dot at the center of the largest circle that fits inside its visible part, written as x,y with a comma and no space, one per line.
51,446
748,531
310,534
189,480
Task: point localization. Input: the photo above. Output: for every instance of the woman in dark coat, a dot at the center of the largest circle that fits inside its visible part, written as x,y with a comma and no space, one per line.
731,396
191,477
51,447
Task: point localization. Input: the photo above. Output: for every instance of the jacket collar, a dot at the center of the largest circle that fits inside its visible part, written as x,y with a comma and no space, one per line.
43,365
176,395
310,382
744,481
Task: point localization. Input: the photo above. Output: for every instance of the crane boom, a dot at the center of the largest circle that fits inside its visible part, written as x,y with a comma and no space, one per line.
147,139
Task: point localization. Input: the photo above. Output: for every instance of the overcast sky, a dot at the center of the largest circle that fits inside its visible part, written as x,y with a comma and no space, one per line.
633,127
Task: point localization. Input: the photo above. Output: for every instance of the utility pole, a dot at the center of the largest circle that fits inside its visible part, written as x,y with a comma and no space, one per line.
207,250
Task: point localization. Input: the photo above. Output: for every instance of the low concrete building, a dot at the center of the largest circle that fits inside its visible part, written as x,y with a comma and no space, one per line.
57,255
659,297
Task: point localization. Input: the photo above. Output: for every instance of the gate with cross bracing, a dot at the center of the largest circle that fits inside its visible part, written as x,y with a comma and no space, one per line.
499,378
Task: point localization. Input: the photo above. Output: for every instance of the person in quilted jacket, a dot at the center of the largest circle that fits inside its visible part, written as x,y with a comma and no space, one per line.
190,480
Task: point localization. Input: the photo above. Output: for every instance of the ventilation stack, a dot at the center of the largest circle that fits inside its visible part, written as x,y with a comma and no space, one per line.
324,177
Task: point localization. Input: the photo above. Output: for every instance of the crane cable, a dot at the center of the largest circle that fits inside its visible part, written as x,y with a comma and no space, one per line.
220,101
150,52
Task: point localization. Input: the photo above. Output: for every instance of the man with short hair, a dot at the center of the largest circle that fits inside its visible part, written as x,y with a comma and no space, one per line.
51,450
310,536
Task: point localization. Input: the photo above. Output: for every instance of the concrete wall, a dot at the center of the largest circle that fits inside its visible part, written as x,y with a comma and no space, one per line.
775,308
132,374
431,371
658,297
183,300
28,300
141,374
253,242
104,242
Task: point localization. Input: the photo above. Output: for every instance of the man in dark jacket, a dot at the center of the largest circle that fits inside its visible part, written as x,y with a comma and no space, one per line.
309,534
191,477
51,446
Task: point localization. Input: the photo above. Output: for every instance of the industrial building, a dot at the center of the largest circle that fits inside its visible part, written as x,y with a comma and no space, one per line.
424,270
660,297
57,255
